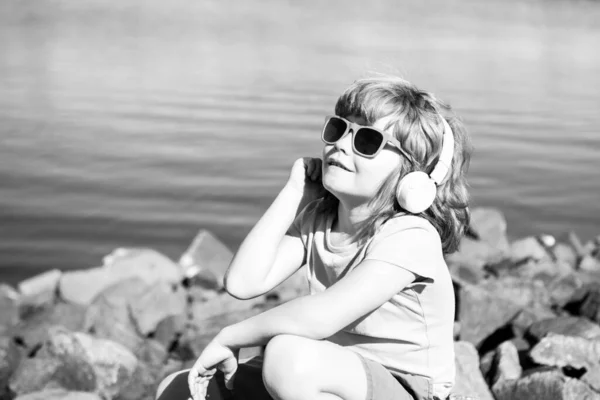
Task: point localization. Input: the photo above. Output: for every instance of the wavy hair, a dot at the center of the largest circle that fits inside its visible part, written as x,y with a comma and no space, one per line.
415,121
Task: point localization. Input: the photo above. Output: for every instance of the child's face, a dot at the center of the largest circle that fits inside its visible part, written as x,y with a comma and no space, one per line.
357,179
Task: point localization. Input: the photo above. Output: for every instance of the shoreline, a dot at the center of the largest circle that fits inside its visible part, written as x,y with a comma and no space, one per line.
528,316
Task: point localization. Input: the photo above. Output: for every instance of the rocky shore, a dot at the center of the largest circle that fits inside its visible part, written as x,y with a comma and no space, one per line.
527,324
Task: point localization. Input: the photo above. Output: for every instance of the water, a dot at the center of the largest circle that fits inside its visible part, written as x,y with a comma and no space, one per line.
137,124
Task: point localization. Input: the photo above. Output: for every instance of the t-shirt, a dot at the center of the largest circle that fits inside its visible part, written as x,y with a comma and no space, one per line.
413,331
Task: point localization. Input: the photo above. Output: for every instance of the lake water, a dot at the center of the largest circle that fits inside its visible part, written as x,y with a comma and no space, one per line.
137,123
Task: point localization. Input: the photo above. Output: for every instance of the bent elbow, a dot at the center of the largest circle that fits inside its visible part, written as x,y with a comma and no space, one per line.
239,290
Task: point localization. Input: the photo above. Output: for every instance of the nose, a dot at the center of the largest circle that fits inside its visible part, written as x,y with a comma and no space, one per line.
344,144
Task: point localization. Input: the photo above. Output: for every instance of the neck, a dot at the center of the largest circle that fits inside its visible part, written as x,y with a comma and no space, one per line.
349,217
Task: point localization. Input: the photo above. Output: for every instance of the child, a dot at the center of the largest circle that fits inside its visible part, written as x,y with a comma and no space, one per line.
378,323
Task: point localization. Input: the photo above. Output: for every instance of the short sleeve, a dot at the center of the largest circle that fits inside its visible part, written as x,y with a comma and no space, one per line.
304,222
415,248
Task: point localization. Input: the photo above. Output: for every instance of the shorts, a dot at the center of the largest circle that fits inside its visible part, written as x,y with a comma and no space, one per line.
248,385
382,385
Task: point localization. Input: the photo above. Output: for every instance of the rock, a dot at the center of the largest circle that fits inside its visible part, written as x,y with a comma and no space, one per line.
589,263
169,329
474,255
544,385
575,352
566,254
467,273
59,394
111,364
142,385
565,325
9,306
525,293
506,364
206,260
39,290
34,374
10,356
469,380
527,317
152,353
482,312
109,315
33,331
528,248
563,287
157,303
590,305
576,244
81,287
490,226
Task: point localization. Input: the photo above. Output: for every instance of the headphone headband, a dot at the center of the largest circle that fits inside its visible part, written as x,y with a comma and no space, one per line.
443,165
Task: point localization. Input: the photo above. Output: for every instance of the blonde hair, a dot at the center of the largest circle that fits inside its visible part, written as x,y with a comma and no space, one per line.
415,121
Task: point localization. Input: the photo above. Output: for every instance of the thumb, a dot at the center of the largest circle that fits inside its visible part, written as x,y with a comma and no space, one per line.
229,379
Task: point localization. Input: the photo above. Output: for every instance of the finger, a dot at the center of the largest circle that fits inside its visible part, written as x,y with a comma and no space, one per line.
192,375
309,167
316,175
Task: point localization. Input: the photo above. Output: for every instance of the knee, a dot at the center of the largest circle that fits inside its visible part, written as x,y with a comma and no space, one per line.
288,359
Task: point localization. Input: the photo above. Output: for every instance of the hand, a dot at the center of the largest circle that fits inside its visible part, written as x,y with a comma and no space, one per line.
214,357
306,177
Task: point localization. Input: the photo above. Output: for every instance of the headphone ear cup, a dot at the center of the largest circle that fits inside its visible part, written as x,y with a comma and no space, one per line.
416,192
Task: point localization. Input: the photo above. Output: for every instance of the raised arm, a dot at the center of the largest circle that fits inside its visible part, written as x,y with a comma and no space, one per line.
268,256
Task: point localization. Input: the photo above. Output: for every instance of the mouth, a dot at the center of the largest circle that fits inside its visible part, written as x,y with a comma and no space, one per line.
334,163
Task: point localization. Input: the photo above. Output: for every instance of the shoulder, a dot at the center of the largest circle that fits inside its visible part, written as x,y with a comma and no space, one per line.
409,227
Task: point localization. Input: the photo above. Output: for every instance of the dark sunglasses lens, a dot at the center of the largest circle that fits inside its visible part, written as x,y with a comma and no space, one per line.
334,130
367,141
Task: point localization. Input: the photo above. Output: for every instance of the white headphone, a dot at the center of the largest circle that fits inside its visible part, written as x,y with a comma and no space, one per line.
416,191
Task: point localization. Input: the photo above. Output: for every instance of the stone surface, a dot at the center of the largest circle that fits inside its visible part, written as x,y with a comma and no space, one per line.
490,226
469,380
589,263
565,325
506,364
10,356
81,287
32,331
578,353
109,316
39,290
544,385
59,394
528,248
158,302
562,288
482,312
590,305
9,306
527,317
474,254
207,260
565,253
169,329
35,374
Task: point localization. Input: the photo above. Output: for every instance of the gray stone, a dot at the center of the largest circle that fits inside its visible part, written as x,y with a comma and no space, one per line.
10,356
506,364
155,304
589,263
9,306
565,253
528,248
82,286
34,374
33,331
590,306
490,226
482,312
578,353
469,380
565,325
475,254
207,260
544,385
169,329
59,394
562,288
109,316
39,290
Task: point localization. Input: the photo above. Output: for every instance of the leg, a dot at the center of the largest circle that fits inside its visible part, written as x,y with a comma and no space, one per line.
297,368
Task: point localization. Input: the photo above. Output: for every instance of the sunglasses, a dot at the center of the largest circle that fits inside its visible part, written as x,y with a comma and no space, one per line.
366,141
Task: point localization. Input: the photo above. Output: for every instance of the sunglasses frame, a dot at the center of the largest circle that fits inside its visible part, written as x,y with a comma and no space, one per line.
354,127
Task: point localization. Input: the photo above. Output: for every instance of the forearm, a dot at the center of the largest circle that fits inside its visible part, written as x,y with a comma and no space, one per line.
301,317
255,256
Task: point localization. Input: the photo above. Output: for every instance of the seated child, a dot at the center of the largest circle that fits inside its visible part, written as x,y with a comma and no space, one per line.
372,219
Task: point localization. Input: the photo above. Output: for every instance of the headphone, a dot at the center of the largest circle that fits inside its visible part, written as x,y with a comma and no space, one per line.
416,190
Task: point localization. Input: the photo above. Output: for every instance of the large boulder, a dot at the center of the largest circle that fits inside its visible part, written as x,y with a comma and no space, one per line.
469,380
505,365
489,224
82,286
10,356
39,290
206,260
9,306
474,255
527,248
158,302
544,385
566,326
109,315
574,352
33,331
